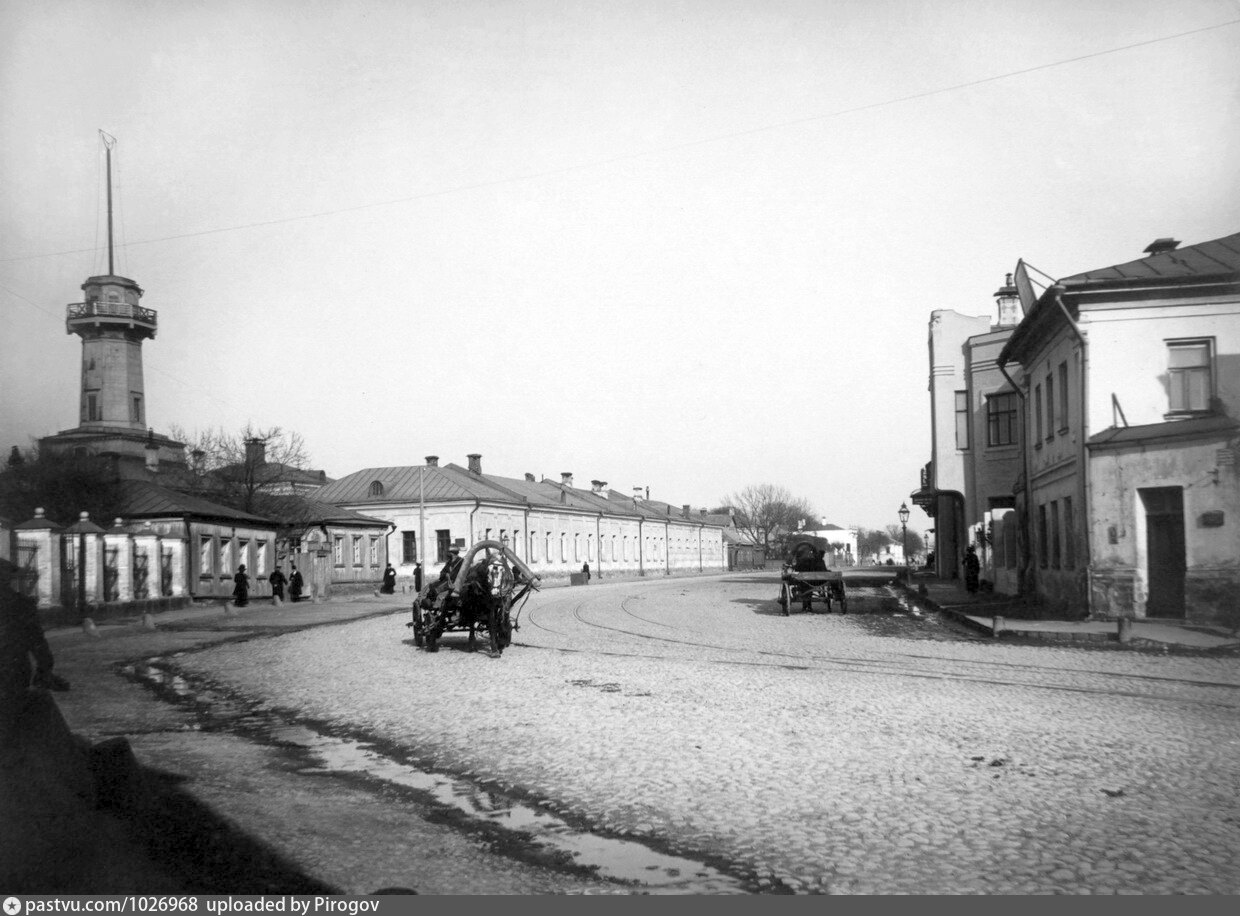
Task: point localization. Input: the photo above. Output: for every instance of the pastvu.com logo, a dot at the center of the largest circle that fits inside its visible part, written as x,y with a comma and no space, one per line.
12,906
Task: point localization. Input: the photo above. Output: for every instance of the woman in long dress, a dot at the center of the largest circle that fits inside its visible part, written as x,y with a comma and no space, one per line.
294,585
241,591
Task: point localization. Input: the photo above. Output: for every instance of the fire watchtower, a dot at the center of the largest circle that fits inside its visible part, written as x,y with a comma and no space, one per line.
112,403
112,326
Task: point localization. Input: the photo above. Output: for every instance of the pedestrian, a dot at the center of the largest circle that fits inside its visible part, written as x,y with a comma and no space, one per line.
294,583
417,578
972,566
277,581
241,591
585,571
25,657
389,581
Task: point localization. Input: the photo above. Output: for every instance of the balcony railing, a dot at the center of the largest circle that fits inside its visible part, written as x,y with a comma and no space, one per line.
100,309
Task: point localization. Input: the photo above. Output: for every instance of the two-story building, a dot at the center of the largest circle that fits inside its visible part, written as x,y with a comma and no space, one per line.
1129,379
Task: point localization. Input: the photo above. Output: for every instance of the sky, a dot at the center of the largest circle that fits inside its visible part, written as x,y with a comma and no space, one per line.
690,246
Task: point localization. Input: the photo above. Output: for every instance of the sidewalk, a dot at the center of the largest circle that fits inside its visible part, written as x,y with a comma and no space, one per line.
999,616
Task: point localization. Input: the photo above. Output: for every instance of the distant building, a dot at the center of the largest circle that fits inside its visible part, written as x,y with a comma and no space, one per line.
975,454
554,527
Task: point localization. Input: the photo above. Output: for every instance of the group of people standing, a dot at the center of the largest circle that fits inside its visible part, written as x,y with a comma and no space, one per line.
241,585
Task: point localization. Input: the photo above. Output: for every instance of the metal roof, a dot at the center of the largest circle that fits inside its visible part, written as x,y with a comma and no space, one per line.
143,499
1218,257
301,510
401,484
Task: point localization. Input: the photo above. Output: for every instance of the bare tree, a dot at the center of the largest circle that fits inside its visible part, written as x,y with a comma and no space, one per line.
237,467
766,511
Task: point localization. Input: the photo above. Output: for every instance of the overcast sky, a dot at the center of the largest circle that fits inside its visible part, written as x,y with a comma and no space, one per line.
685,245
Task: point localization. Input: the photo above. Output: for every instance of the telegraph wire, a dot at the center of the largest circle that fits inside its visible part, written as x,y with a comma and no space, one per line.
626,157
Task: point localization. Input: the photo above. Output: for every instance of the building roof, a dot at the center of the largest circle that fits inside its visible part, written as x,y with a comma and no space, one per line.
407,484
451,482
143,499
1211,267
1215,258
1172,430
303,511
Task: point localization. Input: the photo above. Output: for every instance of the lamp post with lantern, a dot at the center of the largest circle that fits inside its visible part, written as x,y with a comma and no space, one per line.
903,513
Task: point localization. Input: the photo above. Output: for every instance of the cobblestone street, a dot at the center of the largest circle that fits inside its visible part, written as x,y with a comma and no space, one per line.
801,753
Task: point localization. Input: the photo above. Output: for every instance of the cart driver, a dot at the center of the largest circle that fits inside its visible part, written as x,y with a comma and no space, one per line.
446,577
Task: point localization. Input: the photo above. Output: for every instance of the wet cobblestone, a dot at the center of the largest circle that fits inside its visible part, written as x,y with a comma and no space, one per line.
806,749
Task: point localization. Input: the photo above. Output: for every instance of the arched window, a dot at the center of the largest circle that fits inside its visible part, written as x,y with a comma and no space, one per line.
376,488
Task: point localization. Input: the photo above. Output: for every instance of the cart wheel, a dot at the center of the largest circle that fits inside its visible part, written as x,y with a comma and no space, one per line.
432,643
785,598
418,639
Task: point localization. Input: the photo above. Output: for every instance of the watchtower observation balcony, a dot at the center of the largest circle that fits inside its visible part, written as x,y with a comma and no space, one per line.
111,304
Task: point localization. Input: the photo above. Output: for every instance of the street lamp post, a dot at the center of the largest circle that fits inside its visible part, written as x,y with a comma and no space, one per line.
903,513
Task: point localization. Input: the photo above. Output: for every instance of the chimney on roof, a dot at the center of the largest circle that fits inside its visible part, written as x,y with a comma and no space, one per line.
255,452
529,477
475,464
566,478
702,512
1007,298
637,494
432,461
684,511
1158,246
599,488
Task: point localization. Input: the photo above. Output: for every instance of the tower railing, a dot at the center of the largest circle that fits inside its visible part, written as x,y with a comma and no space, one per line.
100,309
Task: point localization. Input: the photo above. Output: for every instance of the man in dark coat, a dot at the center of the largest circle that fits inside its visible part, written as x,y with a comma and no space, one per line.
21,643
294,585
971,568
277,584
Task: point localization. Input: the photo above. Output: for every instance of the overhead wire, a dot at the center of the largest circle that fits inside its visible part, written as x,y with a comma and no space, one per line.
626,157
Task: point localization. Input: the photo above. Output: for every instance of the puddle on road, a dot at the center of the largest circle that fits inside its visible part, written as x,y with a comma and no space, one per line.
611,858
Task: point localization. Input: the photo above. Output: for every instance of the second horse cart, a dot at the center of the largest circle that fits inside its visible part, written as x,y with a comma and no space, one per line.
805,576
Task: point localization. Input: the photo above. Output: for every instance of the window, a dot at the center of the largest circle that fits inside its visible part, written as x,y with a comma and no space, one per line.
1069,535
243,553
443,540
1055,558
374,551
135,408
376,488
338,550
962,419
1063,397
1037,416
1001,419
357,550
1188,375
547,545
576,547
205,555
260,558
613,546
1042,536
224,565
409,546
92,407
1050,406
563,547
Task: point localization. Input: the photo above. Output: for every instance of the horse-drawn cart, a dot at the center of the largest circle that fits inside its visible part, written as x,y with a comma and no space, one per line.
489,584
805,576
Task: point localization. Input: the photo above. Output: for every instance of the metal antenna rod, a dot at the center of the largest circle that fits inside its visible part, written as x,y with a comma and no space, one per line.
108,142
